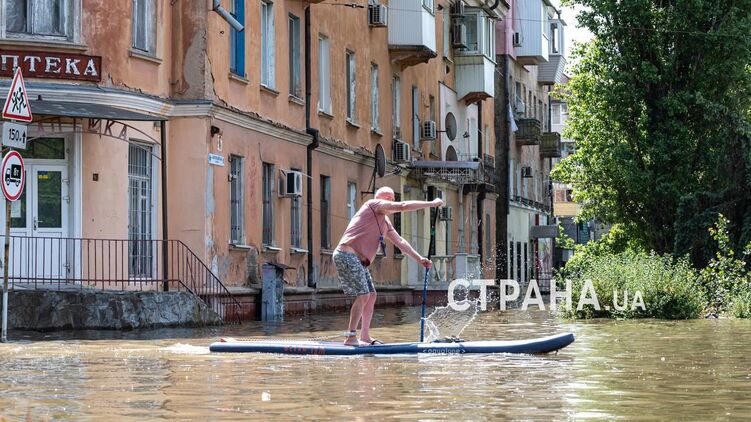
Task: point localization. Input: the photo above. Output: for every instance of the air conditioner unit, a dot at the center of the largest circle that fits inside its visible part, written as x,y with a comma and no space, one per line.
429,130
446,214
402,151
377,15
292,185
526,172
516,39
459,35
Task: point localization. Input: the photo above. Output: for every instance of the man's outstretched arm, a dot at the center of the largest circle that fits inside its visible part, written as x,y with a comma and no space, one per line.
403,206
407,249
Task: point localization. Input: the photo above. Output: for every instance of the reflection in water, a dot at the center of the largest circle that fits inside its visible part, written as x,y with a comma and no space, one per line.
635,369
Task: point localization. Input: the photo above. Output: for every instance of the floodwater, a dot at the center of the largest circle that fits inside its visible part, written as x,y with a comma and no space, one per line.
686,370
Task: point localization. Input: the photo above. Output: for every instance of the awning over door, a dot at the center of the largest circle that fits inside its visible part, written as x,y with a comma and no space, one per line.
86,110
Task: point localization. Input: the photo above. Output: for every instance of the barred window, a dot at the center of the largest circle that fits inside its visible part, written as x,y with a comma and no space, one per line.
296,221
268,206
236,200
325,212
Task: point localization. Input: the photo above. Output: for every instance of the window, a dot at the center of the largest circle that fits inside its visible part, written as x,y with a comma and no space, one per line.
268,205
324,75
397,222
237,40
446,32
295,86
325,212
140,252
351,200
396,106
554,38
415,117
488,240
480,33
351,88
236,200
144,26
555,114
296,221
432,117
374,100
539,111
267,44
46,18
428,4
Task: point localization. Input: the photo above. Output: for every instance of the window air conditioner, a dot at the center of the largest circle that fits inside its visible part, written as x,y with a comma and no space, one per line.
459,35
292,184
401,151
517,39
377,15
429,130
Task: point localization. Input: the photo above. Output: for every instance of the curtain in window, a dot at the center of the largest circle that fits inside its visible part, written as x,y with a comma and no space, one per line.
374,97
48,17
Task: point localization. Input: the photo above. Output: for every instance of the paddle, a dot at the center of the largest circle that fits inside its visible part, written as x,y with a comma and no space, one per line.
427,272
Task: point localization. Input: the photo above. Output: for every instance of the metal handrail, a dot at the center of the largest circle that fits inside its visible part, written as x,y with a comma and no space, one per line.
117,264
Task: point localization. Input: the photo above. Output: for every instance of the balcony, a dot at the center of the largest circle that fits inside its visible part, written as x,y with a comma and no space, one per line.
412,36
474,78
529,132
551,73
550,145
532,47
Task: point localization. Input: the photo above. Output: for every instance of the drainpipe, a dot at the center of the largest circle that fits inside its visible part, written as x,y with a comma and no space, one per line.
311,147
165,233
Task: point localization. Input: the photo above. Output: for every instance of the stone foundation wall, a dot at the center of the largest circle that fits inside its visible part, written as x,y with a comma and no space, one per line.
44,310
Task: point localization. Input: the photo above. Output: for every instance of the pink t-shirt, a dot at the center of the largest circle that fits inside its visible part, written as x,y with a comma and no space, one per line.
370,223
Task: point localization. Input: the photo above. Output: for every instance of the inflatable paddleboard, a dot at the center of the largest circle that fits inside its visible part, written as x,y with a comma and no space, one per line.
307,347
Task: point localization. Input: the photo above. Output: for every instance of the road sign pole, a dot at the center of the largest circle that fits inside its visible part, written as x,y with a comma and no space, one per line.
6,255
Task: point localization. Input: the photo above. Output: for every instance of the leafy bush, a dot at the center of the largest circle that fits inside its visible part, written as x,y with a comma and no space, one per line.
669,288
726,280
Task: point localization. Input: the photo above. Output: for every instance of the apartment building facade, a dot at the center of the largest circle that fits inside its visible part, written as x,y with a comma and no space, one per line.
531,50
157,119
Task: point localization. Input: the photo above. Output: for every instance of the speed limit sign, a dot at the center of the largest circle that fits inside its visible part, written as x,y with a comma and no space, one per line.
13,175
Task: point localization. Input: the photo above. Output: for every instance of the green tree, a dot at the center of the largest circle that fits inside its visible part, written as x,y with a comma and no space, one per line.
659,103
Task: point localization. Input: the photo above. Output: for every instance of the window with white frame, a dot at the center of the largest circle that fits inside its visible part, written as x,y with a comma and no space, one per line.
351,200
295,85
324,75
480,34
296,221
236,200
396,106
555,114
140,211
428,4
554,38
325,212
446,32
351,87
268,204
267,44
144,26
41,18
374,97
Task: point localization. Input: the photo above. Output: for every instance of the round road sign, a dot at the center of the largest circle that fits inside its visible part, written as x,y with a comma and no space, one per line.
13,174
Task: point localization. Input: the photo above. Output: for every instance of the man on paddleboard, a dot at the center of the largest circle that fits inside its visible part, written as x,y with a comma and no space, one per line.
357,249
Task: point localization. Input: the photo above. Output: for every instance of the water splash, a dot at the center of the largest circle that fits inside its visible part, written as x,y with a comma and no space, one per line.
445,321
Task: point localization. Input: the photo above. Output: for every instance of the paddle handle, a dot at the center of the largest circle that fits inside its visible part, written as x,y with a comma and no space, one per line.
427,272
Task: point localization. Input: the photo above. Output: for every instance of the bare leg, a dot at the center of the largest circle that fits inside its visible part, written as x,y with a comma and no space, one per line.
367,315
354,318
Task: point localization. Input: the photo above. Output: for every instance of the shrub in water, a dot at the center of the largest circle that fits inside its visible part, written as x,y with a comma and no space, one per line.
669,288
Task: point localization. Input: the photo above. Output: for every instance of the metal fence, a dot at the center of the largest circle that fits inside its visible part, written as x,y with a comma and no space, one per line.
117,264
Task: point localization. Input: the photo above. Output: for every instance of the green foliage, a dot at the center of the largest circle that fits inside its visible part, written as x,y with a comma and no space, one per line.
613,242
726,280
659,108
564,241
668,287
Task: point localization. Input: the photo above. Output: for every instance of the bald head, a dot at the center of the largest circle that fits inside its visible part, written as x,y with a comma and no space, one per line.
385,193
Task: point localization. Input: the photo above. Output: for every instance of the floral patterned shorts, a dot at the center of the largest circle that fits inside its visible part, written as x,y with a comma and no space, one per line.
355,278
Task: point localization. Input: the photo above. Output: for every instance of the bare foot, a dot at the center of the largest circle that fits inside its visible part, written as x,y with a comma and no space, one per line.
353,341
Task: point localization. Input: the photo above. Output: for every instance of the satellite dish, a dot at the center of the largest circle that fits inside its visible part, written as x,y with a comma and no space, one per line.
451,154
450,126
380,161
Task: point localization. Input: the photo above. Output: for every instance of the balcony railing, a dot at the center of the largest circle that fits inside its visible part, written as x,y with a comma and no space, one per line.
443,269
117,264
550,145
532,204
529,132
